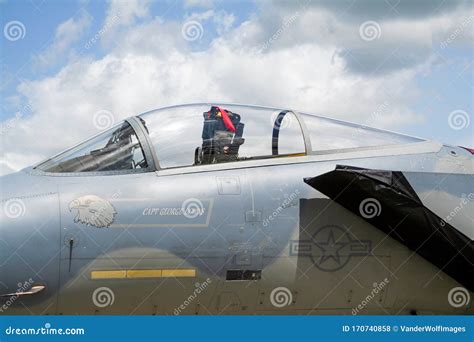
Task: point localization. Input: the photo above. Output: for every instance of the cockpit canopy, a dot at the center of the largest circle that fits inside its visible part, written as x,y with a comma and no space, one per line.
116,149
203,134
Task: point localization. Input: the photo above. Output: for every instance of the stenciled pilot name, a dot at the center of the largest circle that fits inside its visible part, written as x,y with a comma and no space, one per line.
177,211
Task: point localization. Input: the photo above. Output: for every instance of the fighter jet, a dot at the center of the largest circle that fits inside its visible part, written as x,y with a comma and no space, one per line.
214,209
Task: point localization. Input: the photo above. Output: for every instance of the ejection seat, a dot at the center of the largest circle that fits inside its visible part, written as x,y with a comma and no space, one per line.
221,137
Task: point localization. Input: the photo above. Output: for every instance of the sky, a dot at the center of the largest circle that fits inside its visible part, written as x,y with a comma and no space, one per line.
71,68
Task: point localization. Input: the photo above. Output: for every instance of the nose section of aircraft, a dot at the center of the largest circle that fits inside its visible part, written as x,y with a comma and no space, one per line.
29,243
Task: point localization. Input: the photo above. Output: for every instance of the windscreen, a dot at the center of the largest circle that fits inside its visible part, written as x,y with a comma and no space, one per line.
114,150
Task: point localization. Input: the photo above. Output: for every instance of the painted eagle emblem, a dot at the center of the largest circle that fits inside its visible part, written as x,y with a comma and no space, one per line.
93,211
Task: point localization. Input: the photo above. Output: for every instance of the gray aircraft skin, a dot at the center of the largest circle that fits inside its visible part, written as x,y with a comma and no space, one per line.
177,212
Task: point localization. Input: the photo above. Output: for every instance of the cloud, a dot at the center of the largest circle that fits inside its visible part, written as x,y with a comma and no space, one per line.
128,11
131,84
120,16
224,22
67,34
198,3
5,168
405,32
313,61
362,10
